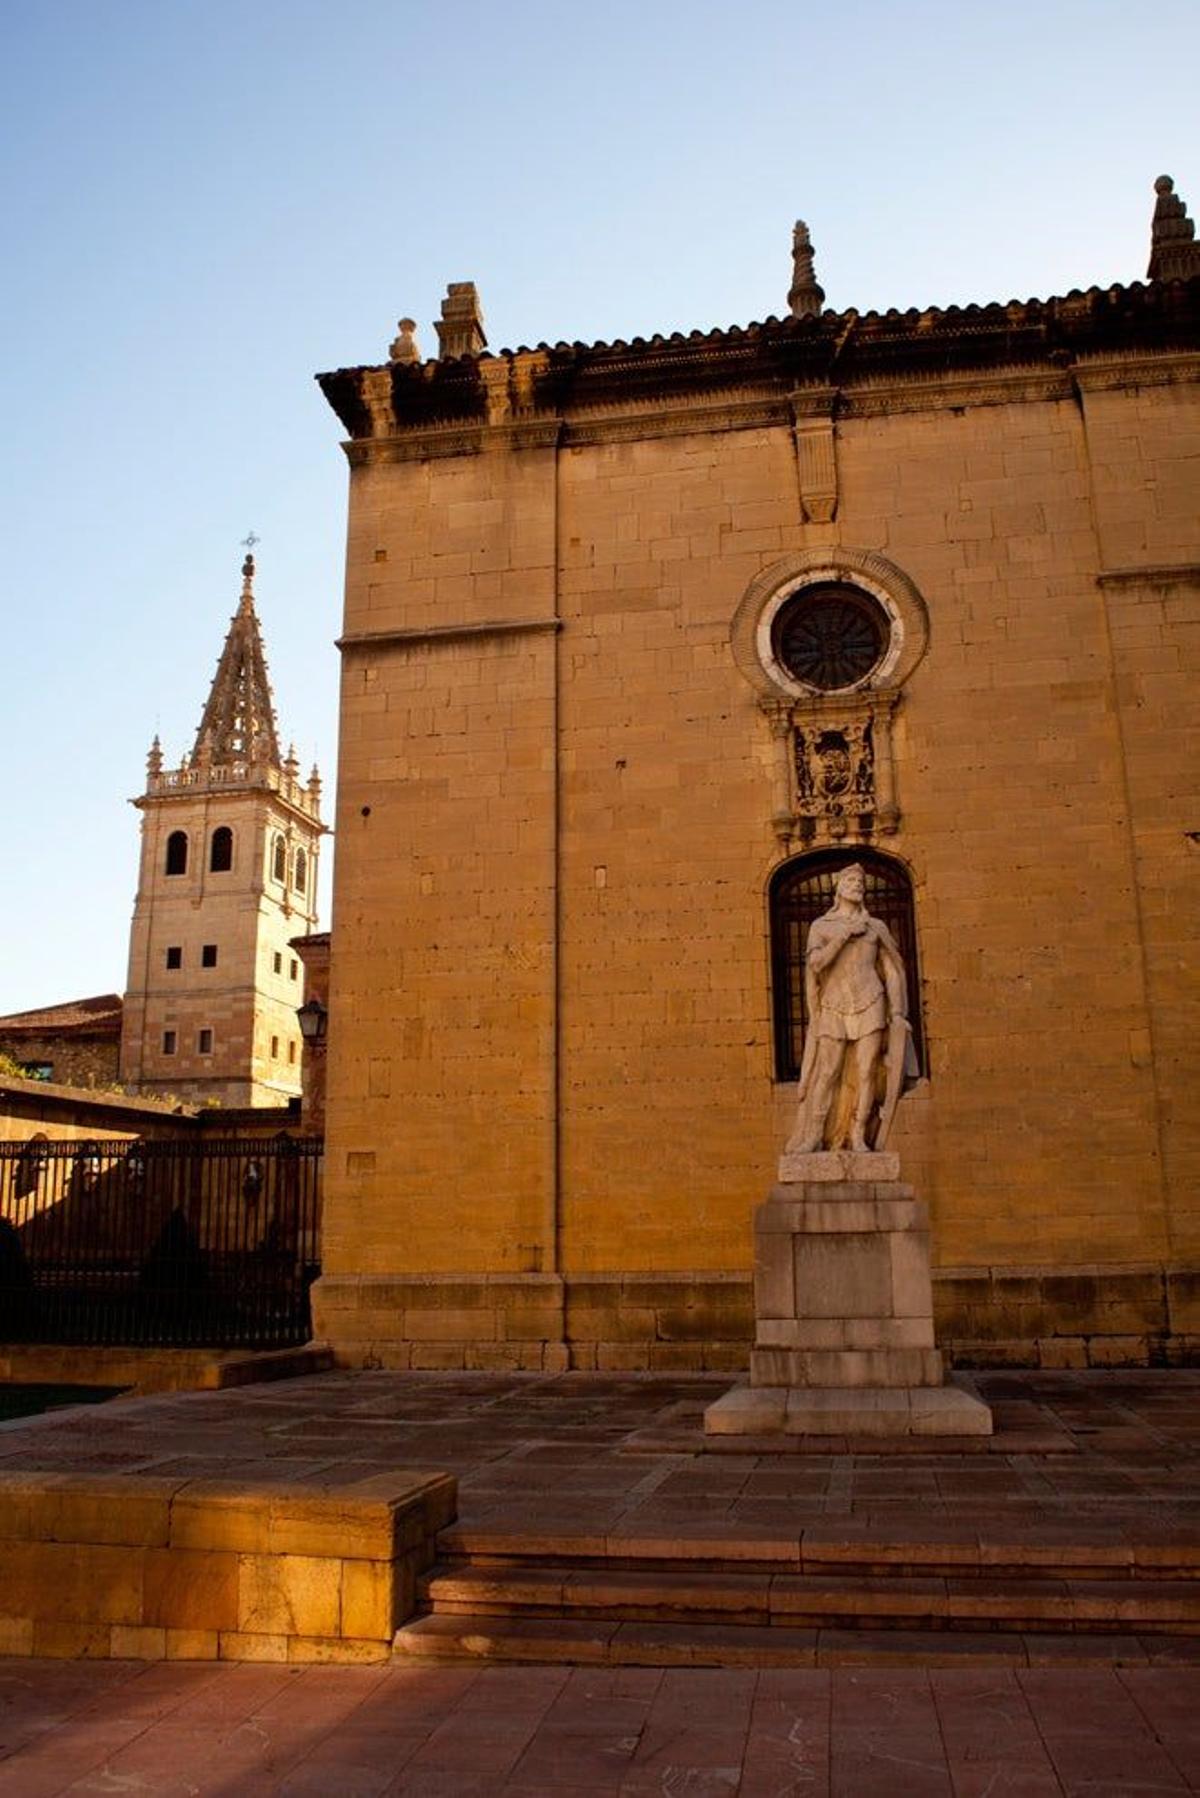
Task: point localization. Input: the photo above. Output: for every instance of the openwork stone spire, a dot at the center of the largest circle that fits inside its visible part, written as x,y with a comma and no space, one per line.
239,720
805,297
1174,253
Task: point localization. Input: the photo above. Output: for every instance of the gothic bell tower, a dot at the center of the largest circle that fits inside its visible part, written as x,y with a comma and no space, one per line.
230,849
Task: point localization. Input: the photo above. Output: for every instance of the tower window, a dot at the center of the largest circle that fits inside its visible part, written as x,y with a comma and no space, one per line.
293,968
168,1042
177,852
279,860
220,856
174,955
208,955
277,962
292,1053
300,880
274,1048
204,1042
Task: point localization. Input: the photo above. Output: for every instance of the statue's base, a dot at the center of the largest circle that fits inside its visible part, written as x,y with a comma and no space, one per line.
798,1167
843,1301
766,1411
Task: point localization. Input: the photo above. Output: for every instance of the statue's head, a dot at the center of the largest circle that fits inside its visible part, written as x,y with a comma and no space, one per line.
851,882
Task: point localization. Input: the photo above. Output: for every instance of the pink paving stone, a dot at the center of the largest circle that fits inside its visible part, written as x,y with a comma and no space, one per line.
886,1738
992,1744
787,1750
1170,1702
1096,1736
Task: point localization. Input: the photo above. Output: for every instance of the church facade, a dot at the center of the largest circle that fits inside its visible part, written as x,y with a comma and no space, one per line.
227,878
643,643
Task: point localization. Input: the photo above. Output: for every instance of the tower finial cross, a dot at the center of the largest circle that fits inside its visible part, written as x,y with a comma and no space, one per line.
250,541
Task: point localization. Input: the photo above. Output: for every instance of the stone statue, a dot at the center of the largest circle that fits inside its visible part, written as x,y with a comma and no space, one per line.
858,1028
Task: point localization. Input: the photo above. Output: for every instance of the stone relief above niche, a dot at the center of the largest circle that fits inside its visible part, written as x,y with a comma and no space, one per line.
833,774
827,638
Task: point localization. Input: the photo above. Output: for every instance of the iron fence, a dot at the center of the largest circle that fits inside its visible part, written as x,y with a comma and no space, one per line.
203,1244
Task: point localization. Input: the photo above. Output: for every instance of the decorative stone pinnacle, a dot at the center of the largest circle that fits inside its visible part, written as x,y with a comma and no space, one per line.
248,581
460,328
805,297
405,348
291,766
1174,253
314,782
154,759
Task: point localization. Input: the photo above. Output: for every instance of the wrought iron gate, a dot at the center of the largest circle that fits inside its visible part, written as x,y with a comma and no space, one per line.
209,1244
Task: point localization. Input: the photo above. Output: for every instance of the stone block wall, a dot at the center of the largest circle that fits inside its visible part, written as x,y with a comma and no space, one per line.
556,837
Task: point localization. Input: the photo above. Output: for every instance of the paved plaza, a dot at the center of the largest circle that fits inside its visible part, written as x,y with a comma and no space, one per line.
96,1729
1082,1463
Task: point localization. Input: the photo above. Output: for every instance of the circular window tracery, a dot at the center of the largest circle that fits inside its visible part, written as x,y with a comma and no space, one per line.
830,635
828,621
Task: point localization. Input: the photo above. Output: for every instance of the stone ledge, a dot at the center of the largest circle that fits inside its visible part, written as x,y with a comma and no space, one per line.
129,1565
156,1369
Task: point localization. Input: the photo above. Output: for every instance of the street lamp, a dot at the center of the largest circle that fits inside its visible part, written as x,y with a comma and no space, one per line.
313,1019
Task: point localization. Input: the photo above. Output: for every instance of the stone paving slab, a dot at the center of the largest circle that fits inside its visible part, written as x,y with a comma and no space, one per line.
94,1728
574,1457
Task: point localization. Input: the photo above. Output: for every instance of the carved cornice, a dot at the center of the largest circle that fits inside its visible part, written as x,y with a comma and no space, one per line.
939,393
455,440
689,419
433,634
973,355
1103,374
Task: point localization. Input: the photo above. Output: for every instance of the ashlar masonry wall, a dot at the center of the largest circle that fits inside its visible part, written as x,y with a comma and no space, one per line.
552,1103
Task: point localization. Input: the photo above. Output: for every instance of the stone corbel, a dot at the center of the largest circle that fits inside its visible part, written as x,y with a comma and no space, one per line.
816,453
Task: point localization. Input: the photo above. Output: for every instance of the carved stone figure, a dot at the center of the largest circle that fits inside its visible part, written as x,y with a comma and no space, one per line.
858,1028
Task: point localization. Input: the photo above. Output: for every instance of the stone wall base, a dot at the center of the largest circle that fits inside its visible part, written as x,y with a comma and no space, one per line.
143,1567
1099,1316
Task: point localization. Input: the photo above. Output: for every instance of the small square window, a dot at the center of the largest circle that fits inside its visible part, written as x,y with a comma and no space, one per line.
278,962
293,968
168,1042
208,955
204,1042
174,956
274,1048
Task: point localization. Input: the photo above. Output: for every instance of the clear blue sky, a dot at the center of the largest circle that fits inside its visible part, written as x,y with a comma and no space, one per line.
205,202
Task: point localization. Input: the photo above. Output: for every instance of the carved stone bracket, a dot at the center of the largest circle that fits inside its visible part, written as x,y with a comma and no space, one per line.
816,453
832,769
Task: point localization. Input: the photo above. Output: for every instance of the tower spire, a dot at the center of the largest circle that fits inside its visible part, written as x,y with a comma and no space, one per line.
239,719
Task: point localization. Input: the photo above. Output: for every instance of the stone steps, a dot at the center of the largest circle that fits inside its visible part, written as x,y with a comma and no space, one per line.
584,1642
840,1598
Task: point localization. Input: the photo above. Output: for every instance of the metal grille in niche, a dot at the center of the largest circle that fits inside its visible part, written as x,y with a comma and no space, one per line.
829,636
801,892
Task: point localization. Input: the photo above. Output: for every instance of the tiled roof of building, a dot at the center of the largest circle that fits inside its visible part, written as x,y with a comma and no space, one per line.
99,1016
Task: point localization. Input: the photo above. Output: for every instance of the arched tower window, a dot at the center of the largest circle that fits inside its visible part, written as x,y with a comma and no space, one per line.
300,881
177,852
278,859
800,892
220,855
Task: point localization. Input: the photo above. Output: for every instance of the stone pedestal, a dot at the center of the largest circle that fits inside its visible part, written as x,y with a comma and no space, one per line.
843,1304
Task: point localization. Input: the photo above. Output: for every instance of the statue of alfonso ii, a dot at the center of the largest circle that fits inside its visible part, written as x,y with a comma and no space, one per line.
858,1049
